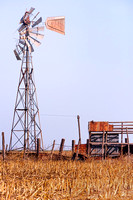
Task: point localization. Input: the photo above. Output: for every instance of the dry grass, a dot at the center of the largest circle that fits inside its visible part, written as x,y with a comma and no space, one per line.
95,180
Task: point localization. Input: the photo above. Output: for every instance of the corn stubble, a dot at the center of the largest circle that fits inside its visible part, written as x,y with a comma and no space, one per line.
95,180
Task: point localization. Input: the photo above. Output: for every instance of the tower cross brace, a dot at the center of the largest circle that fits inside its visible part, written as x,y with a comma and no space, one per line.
26,127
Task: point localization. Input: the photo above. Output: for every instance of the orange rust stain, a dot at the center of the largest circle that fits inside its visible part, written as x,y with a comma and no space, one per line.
100,126
82,148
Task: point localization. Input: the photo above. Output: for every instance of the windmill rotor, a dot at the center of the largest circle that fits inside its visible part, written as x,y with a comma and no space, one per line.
30,31
28,35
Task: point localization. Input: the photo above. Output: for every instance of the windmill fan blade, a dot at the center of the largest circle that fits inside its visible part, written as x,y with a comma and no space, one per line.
35,16
56,24
37,22
22,37
17,50
25,18
31,10
23,32
22,42
33,40
37,35
21,28
40,28
21,48
17,55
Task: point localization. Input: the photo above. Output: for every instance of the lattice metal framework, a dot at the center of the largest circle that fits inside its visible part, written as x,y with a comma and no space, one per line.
26,126
26,120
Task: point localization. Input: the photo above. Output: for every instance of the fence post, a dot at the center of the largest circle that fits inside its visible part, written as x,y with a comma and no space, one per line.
78,118
61,147
73,147
38,147
3,146
52,149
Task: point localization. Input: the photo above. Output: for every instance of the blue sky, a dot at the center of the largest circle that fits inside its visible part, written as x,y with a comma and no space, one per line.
89,71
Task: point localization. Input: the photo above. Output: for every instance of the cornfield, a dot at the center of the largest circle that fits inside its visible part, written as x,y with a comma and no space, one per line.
58,180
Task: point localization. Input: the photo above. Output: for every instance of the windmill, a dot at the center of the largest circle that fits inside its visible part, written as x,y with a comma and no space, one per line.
26,127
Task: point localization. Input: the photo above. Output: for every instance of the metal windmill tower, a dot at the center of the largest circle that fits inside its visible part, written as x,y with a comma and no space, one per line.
26,126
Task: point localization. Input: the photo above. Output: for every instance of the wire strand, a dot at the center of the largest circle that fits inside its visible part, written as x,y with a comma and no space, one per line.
55,115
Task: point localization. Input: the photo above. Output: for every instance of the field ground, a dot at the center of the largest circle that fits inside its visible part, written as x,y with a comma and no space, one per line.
59,180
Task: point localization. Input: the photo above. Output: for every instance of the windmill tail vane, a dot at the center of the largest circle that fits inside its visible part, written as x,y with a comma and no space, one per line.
26,127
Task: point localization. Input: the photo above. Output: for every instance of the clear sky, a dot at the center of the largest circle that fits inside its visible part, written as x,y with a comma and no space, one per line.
89,71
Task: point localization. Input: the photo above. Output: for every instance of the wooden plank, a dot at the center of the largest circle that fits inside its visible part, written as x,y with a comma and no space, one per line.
100,126
126,122
109,144
112,133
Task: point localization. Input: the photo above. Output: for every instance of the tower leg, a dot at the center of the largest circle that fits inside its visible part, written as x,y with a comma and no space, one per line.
26,126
